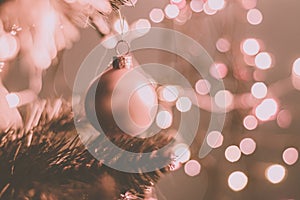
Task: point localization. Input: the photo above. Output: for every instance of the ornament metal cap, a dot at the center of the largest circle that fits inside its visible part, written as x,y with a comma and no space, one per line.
120,62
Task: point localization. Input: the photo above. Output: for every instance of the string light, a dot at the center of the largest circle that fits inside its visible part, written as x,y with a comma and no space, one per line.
202,87
284,119
249,4
218,70
263,60
2,64
121,26
275,173
13,100
192,168
9,46
169,93
232,153
237,181
216,4
157,15
250,46
223,99
254,16
164,119
143,26
179,3
196,6
266,110
296,67
183,104
182,153
214,139
250,122
259,90
172,11
223,45
247,146
290,156
208,10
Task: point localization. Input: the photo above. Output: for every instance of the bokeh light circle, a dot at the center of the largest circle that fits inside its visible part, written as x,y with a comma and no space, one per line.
259,90
223,99
254,16
250,46
237,181
183,104
157,15
266,110
202,87
164,119
192,168
290,156
196,6
247,146
250,122
233,153
275,173
214,139
263,60
223,45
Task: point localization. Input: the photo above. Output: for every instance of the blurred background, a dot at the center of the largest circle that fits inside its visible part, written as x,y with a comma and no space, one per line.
254,45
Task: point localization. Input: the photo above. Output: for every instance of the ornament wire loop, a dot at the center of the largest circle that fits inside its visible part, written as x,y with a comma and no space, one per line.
122,48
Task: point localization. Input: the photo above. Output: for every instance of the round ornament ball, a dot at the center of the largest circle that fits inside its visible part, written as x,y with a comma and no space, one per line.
121,99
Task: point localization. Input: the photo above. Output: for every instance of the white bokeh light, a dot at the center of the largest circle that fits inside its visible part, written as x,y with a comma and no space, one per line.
290,156
254,16
9,46
284,118
13,100
197,5
218,70
250,46
266,109
183,104
250,122
233,153
237,181
192,168
172,11
121,26
208,10
263,60
157,15
182,153
259,90
223,99
275,173
296,67
223,45
247,146
216,4
179,3
164,119
249,4
214,139
143,26
170,93
202,87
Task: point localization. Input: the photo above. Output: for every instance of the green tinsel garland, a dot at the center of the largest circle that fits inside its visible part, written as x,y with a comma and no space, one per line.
51,163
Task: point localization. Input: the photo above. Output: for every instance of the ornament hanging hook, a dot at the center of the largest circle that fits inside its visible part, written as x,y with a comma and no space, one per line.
122,47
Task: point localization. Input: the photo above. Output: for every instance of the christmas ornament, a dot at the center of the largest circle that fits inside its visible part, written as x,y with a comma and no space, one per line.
122,98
